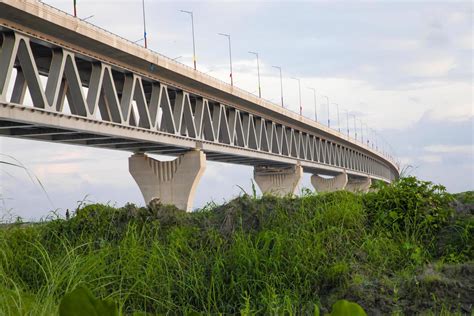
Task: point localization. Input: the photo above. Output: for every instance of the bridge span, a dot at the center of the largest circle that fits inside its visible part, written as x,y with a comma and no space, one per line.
93,88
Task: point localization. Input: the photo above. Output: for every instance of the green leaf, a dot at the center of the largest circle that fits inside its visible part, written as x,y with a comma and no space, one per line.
393,214
316,310
81,302
346,308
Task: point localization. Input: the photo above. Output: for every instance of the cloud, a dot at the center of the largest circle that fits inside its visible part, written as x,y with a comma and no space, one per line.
431,68
458,17
399,44
406,160
380,108
465,41
456,113
62,169
451,149
443,100
430,158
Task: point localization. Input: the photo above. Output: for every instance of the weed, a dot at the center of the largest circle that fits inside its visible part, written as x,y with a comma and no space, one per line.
253,255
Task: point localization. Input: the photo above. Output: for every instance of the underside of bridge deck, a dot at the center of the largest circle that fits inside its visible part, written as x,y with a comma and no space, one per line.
63,80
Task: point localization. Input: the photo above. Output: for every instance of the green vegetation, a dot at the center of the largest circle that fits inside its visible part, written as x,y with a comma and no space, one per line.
81,302
344,307
465,197
402,249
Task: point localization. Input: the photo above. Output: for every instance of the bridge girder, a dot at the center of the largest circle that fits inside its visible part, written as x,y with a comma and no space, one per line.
78,86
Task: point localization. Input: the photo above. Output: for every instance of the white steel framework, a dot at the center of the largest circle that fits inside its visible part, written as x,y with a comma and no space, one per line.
98,91
65,80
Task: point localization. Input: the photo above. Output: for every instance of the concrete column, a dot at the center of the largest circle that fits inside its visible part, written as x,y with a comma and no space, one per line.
278,181
172,182
359,184
336,183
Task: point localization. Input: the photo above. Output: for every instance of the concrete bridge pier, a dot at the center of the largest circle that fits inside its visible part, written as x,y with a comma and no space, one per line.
359,184
172,182
336,183
278,181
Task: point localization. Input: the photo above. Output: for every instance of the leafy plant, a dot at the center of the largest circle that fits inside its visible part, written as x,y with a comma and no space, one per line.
81,302
409,209
465,197
346,308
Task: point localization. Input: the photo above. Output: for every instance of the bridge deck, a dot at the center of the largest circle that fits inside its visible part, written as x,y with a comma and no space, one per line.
37,124
103,71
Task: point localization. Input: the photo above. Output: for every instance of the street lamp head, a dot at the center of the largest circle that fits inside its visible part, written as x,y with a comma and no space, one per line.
188,12
253,53
223,34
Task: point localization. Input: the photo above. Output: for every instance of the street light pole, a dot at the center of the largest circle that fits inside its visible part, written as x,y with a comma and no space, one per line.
355,126
194,43
144,24
367,133
373,138
230,58
281,85
361,132
347,117
299,89
258,74
376,142
338,120
327,103
315,105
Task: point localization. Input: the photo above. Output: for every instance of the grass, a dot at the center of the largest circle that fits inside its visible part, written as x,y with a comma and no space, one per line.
398,250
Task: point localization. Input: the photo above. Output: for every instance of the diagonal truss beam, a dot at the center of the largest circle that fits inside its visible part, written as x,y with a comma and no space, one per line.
97,90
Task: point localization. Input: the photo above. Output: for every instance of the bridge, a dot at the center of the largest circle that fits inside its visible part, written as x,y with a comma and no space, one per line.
90,87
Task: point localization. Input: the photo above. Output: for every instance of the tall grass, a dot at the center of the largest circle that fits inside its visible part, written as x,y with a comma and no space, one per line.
263,255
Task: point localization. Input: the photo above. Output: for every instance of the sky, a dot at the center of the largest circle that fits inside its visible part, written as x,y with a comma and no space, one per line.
404,68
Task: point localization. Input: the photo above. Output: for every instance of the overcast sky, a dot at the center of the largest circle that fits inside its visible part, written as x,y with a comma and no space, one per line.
403,67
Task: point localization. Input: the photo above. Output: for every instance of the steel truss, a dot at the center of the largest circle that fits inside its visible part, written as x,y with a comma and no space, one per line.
55,76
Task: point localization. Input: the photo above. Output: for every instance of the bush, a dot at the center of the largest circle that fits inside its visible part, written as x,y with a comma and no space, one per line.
251,255
409,210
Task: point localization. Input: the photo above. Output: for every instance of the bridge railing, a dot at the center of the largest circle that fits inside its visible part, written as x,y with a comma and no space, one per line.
387,156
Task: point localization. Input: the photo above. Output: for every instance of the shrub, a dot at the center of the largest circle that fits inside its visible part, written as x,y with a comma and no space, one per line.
251,255
409,210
